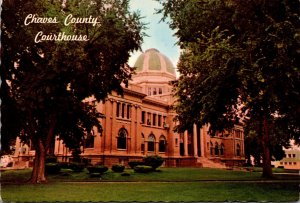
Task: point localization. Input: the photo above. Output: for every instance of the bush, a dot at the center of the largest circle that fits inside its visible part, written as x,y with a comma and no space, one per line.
52,168
133,164
51,159
125,174
65,165
143,169
154,161
97,169
118,168
77,167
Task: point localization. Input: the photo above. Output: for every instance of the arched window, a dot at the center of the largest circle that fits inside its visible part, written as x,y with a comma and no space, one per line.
162,144
143,143
216,149
211,148
122,135
222,149
151,143
238,150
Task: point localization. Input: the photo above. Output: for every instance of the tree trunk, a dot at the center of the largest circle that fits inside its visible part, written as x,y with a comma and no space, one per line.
267,168
38,172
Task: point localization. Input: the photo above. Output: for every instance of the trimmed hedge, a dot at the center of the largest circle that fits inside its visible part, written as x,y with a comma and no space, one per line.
77,167
97,169
133,164
154,161
52,168
118,168
142,169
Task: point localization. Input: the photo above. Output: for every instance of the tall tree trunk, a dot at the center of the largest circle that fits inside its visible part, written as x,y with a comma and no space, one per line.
38,172
267,168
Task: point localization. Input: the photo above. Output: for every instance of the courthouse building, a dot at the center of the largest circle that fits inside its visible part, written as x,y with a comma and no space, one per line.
140,123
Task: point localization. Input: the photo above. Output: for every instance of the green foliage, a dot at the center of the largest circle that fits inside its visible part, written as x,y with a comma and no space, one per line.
52,168
118,168
77,167
132,164
143,169
97,169
46,82
153,161
240,60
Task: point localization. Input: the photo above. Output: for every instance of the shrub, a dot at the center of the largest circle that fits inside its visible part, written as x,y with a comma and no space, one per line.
118,168
65,165
154,161
51,159
125,174
77,167
143,169
133,164
52,168
97,169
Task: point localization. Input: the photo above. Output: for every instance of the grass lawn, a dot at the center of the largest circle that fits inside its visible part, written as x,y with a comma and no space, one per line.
170,184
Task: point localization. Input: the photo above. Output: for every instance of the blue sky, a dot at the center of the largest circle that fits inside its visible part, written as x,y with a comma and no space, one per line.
160,35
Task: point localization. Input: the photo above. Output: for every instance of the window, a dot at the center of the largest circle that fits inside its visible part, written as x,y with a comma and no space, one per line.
162,144
238,150
89,140
121,140
143,116
143,143
154,120
118,110
123,110
211,148
149,119
216,149
290,155
151,143
128,111
154,91
294,163
222,149
160,90
149,91
159,121
294,155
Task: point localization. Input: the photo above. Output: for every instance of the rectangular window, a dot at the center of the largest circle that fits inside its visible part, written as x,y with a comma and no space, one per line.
118,110
164,120
160,91
143,116
290,155
154,120
154,91
149,91
295,163
128,111
159,121
123,110
149,119
294,155
89,142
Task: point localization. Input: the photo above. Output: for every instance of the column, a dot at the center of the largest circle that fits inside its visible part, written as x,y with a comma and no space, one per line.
202,142
195,140
185,143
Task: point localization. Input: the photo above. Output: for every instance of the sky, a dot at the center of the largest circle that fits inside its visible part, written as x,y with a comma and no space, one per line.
160,35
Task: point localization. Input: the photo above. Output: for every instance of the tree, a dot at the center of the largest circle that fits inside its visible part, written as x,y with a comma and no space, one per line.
49,80
240,59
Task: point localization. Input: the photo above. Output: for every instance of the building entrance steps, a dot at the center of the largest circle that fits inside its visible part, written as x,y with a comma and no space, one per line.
207,163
